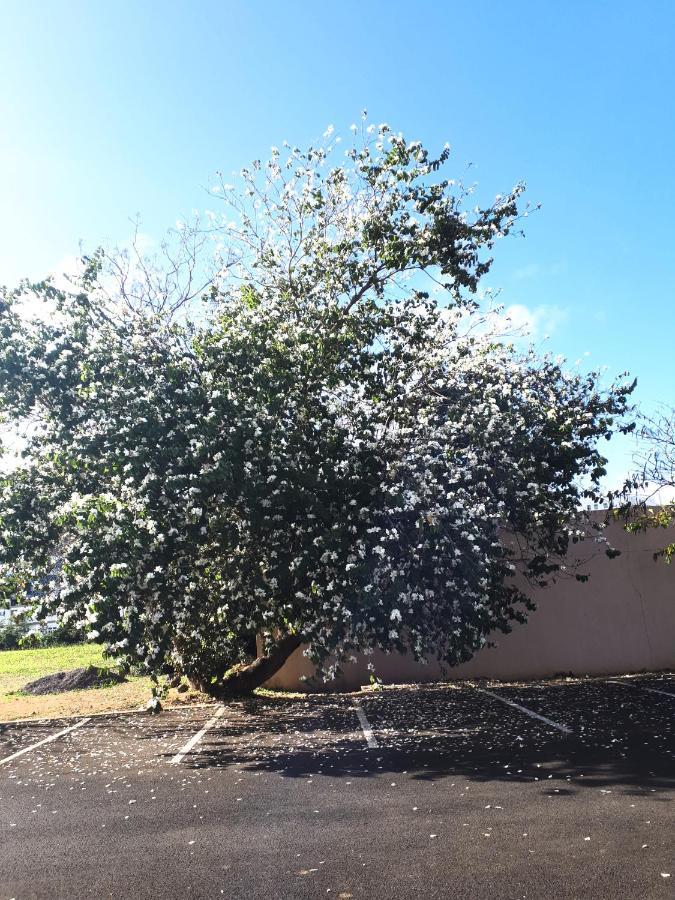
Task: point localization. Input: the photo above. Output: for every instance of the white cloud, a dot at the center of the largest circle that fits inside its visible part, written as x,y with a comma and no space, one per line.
32,307
65,270
656,496
533,322
536,270
527,272
63,273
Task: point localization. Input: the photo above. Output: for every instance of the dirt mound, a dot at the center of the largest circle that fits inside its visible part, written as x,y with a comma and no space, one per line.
75,680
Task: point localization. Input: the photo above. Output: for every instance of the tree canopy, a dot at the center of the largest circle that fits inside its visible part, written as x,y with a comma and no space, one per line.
655,479
336,450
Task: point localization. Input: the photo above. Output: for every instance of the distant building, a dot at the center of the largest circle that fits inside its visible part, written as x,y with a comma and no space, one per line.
30,622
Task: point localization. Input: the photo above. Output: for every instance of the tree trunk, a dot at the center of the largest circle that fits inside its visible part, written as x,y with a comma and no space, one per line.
243,679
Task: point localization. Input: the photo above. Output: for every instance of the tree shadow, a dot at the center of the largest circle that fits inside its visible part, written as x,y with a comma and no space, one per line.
431,735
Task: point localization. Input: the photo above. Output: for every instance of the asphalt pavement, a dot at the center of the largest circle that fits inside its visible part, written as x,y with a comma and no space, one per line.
560,790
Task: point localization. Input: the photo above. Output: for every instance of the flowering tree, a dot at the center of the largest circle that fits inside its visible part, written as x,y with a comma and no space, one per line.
336,452
656,478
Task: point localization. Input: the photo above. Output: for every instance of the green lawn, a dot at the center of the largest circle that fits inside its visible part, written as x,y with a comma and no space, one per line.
29,664
17,667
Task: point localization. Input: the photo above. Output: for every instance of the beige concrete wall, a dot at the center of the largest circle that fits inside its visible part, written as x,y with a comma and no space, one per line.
621,620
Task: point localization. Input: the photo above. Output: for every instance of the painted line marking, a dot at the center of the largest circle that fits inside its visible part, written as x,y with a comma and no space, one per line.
365,726
640,687
528,712
47,740
197,737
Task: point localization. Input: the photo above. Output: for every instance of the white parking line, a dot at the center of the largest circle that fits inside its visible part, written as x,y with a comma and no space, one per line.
641,687
365,725
197,737
529,712
47,740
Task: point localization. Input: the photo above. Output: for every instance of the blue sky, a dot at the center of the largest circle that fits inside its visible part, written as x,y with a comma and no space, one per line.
109,110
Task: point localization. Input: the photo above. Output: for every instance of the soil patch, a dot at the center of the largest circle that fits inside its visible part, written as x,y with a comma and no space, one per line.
75,680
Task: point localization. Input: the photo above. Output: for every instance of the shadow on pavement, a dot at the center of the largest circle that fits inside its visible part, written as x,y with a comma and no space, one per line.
438,733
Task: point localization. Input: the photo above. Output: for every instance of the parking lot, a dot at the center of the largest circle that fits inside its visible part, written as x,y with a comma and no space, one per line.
559,789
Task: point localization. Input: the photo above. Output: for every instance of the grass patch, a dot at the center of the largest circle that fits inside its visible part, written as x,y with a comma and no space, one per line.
29,664
18,667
